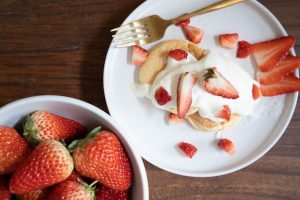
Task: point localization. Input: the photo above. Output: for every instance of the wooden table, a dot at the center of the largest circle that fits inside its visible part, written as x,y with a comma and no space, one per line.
59,47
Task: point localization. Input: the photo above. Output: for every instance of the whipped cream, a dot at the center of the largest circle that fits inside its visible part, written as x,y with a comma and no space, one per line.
206,103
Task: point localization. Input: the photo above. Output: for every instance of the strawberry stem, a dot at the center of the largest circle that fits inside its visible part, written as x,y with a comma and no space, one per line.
209,74
30,134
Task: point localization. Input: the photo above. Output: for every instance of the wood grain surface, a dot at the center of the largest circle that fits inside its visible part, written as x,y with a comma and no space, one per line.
59,47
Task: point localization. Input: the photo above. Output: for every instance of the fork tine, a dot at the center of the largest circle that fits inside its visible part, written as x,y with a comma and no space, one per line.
132,25
137,41
131,37
122,27
128,33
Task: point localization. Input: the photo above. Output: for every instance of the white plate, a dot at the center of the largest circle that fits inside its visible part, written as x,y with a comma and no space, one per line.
147,125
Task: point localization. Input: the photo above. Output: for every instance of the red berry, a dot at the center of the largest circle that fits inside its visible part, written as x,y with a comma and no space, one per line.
226,145
183,22
187,148
178,54
162,96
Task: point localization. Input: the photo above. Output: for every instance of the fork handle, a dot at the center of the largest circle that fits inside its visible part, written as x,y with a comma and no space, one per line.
210,8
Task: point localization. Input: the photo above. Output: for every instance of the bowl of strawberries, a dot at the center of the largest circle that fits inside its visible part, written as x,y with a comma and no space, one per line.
55,147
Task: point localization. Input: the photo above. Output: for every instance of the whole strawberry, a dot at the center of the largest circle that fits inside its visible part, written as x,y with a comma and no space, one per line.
105,193
13,149
33,195
43,125
72,190
50,163
100,156
4,191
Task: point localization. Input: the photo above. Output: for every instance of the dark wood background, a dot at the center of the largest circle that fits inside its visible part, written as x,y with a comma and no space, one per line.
59,47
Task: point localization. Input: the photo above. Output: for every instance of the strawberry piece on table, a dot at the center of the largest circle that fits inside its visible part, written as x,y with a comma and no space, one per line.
268,53
187,148
183,22
256,92
4,190
14,149
106,193
218,85
288,84
184,93
193,34
33,195
284,67
49,163
100,156
162,96
72,190
174,118
178,54
42,125
139,55
224,113
228,40
226,145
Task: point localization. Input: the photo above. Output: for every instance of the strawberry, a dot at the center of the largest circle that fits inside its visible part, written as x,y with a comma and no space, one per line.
288,84
72,190
33,195
284,67
174,118
4,190
218,85
49,163
244,49
187,148
74,176
13,150
193,34
224,113
178,54
183,22
139,55
43,125
184,93
256,93
162,96
226,145
268,53
228,40
100,156
105,193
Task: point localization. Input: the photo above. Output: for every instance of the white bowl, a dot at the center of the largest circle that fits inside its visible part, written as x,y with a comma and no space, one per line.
13,115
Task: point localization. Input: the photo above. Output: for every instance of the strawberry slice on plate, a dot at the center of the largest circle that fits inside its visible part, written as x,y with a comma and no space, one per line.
162,96
139,55
226,145
256,92
183,22
187,148
193,34
218,85
288,84
268,53
284,67
228,40
184,93
178,54
224,113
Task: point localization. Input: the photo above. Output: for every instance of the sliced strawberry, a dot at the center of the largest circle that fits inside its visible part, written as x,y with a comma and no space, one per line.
288,84
228,40
284,67
224,113
256,93
187,148
162,96
178,54
218,85
244,49
184,93
193,34
226,145
183,22
174,118
139,55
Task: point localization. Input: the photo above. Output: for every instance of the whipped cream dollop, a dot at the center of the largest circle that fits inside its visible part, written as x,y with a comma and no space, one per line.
206,103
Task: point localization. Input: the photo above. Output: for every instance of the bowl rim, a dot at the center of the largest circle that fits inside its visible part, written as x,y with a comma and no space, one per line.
100,113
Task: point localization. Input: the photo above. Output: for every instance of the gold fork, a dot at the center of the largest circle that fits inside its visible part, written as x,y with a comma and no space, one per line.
152,28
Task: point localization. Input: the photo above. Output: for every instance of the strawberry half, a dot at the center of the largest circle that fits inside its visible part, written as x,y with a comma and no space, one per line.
162,96
268,53
244,49
218,85
187,148
228,40
226,145
224,113
288,84
139,55
174,118
106,193
284,67
184,93
256,92
178,54
193,34
183,22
